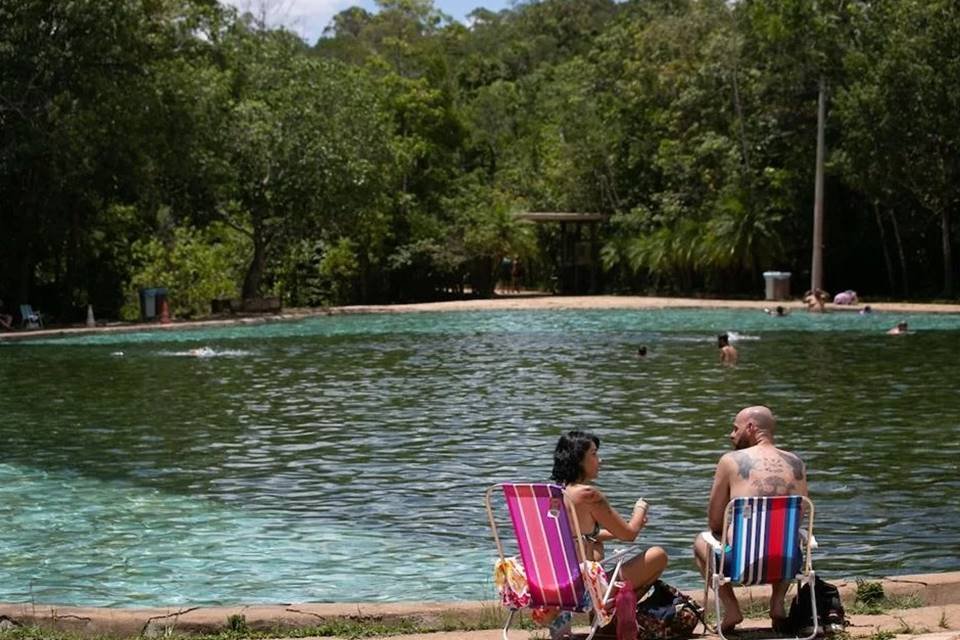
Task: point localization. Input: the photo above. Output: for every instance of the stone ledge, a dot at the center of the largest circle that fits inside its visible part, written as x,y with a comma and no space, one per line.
935,590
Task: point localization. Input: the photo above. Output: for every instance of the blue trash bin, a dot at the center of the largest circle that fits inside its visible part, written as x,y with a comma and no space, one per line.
151,302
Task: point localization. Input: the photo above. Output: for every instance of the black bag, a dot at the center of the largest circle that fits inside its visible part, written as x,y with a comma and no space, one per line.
666,614
830,613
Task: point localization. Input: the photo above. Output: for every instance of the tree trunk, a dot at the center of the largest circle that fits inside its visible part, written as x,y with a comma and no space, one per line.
947,253
883,245
816,268
251,282
738,109
903,258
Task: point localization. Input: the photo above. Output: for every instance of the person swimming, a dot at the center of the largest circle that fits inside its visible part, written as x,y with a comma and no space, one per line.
901,328
728,355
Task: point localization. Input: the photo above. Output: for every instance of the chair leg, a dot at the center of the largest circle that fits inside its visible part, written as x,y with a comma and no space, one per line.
706,579
593,628
812,580
513,612
711,570
716,601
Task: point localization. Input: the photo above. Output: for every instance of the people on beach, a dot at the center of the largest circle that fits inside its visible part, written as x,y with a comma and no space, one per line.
816,300
846,297
901,328
756,467
728,354
576,464
506,273
516,274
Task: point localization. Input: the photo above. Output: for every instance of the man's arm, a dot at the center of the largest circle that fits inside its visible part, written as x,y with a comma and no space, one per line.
719,496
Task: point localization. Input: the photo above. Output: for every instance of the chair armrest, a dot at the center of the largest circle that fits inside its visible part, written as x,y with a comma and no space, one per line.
813,539
710,540
618,554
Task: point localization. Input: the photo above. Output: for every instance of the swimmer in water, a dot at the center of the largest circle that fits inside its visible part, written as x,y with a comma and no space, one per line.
728,355
900,329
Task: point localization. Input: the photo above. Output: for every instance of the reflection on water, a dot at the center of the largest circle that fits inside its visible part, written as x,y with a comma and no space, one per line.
345,458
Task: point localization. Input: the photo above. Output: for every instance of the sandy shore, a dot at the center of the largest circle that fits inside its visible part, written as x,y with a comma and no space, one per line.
524,301
535,301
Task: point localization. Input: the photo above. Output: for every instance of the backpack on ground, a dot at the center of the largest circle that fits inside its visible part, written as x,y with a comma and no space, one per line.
666,614
830,613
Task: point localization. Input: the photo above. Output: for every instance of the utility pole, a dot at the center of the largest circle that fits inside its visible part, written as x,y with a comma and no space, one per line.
816,270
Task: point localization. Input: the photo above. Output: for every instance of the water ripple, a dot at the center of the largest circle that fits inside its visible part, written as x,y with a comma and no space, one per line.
345,458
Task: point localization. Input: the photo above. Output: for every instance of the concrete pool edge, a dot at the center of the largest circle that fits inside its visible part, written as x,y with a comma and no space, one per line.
938,589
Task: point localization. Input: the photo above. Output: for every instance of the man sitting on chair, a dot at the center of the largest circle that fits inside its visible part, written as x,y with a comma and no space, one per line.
756,467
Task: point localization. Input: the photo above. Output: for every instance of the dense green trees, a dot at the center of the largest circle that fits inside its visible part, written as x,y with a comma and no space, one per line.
177,143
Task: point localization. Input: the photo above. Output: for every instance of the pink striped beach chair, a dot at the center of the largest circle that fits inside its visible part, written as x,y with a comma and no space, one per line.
552,572
770,541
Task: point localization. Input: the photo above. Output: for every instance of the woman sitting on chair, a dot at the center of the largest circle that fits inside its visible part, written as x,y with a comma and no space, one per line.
576,464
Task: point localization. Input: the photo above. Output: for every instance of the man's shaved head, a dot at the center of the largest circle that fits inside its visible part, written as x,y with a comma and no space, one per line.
761,417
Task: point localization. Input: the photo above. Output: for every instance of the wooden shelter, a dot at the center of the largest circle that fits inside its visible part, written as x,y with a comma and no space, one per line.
578,253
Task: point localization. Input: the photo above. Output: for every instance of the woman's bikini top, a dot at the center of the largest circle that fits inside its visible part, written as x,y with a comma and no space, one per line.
592,536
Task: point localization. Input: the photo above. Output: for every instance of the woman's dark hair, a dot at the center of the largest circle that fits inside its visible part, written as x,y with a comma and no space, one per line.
568,456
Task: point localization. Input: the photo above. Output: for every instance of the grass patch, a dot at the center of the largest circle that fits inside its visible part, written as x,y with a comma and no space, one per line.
237,628
871,600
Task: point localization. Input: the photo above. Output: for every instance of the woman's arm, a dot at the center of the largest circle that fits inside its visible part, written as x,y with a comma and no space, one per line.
614,526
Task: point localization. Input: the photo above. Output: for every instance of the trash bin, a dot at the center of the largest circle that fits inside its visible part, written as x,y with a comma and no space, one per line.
151,302
778,285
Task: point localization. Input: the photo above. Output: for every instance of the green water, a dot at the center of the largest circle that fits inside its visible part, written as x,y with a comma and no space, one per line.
345,458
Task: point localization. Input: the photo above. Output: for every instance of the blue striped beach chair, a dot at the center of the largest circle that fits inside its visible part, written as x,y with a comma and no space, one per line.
770,540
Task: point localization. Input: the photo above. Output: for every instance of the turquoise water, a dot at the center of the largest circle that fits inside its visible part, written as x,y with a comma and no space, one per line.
344,458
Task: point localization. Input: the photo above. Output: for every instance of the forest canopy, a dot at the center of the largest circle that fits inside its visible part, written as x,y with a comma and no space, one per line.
183,144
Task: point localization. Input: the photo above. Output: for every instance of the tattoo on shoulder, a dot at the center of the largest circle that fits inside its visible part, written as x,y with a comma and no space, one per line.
795,463
745,463
773,487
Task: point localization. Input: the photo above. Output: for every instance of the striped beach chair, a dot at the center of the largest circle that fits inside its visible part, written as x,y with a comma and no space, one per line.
553,574
770,541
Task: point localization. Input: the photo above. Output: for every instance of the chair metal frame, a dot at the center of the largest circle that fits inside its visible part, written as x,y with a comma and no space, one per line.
715,578
616,556
30,319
